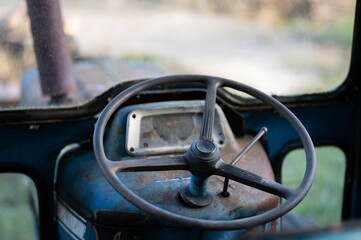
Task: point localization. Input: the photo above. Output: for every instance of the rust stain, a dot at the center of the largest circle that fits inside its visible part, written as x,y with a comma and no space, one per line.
174,122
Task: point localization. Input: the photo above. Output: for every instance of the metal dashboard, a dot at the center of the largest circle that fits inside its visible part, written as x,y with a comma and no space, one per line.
168,128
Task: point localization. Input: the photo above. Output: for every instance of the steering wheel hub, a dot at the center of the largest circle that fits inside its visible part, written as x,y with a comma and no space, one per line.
205,146
201,157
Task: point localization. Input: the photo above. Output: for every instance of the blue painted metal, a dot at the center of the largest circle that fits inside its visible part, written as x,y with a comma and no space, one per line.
79,173
35,154
322,122
335,124
32,148
198,186
36,151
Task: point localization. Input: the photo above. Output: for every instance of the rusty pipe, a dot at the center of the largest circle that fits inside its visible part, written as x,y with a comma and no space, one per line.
51,51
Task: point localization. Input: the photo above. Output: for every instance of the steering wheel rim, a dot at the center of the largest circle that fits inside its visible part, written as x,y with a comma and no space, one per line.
110,168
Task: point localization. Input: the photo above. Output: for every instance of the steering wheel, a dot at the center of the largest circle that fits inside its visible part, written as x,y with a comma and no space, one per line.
203,159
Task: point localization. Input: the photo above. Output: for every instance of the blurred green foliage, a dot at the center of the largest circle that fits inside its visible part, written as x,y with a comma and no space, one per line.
16,218
324,201
336,32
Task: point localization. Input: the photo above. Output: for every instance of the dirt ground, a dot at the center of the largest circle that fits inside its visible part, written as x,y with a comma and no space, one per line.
208,44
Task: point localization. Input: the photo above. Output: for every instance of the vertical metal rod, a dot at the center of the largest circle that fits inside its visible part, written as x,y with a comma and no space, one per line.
50,45
239,157
198,186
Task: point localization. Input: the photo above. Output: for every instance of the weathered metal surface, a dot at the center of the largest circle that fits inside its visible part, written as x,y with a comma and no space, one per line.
159,128
240,155
79,173
52,54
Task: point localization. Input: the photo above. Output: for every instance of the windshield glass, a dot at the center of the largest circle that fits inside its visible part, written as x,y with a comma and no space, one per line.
282,47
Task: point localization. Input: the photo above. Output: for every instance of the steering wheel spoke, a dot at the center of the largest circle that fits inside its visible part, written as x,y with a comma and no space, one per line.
252,180
209,109
149,164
